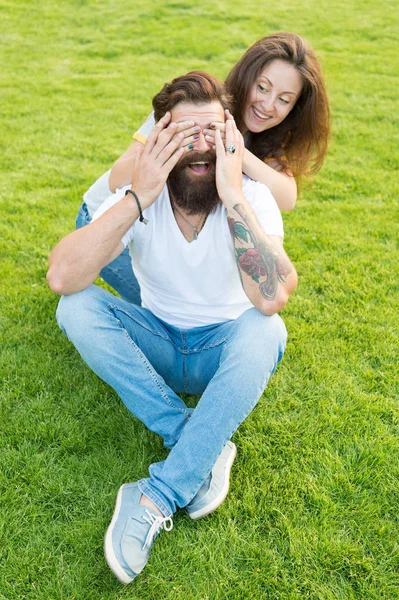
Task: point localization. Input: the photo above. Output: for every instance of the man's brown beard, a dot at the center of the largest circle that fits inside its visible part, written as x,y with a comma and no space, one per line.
195,194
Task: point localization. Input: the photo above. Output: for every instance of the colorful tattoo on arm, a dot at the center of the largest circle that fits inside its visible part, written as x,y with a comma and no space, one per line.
255,256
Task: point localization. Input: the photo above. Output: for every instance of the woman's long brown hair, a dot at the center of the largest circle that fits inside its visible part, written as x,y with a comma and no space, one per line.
299,142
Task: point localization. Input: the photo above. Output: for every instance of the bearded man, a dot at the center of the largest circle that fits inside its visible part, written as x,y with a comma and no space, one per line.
206,247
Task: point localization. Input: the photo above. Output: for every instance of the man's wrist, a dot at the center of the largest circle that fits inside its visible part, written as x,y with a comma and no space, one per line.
145,198
130,201
232,197
142,219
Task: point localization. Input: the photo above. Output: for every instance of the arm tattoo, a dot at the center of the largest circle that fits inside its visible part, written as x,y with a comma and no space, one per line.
255,256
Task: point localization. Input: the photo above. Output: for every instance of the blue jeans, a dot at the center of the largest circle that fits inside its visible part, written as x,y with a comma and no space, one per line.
148,361
119,273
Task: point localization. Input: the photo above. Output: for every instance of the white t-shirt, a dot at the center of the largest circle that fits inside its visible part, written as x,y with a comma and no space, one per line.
190,284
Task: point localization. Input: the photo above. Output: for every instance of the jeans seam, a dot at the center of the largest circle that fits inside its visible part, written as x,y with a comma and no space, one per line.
156,332
184,354
152,373
207,346
175,488
184,366
220,356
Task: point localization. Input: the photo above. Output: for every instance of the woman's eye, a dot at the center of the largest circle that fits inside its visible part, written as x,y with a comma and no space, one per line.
261,88
284,101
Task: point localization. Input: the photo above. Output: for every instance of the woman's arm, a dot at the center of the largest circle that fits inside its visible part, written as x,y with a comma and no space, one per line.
281,184
122,169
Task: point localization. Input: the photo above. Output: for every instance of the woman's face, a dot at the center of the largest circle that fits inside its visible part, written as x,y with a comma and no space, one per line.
272,96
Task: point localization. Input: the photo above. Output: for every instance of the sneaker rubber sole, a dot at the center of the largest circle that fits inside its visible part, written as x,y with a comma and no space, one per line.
110,556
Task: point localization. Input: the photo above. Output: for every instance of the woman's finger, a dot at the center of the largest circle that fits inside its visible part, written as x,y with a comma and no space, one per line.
216,125
188,128
219,146
211,138
190,141
229,133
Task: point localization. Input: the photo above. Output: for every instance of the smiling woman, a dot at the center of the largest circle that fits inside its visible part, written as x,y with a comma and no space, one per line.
280,101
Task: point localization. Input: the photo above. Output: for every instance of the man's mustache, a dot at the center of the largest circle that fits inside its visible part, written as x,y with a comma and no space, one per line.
209,157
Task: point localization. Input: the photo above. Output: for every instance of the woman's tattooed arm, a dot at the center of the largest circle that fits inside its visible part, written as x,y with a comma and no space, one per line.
260,260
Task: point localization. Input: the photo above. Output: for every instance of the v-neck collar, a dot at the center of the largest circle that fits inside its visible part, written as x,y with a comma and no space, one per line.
177,228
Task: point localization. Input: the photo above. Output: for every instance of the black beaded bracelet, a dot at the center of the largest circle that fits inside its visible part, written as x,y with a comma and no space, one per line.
135,196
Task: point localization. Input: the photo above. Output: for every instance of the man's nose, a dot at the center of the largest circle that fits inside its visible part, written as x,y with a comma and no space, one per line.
201,145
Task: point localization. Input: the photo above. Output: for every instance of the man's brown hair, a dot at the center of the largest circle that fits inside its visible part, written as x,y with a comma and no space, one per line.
196,87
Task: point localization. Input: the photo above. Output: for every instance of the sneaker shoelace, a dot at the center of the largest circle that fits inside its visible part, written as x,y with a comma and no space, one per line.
157,523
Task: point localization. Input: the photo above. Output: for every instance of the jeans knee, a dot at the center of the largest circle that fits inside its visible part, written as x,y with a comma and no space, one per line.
257,327
276,330
72,311
66,311
261,339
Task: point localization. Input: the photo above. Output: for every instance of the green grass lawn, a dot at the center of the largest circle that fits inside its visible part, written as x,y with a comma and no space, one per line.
313,506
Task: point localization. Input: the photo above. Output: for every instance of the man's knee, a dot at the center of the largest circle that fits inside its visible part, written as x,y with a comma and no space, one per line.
74,310
258,343
258,329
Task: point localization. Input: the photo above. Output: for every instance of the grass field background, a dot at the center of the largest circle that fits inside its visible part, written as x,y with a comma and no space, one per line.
313,506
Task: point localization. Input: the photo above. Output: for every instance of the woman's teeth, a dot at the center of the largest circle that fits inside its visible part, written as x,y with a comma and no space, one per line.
260,115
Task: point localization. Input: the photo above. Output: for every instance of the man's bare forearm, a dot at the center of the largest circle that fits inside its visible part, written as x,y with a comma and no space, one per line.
79,257
267,275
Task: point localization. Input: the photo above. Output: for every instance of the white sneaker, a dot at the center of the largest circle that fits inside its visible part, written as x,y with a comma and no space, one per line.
214,490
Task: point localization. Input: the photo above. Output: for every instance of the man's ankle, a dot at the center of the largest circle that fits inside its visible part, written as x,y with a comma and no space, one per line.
145,501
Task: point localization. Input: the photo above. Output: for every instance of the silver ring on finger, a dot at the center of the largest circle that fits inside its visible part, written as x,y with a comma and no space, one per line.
231,148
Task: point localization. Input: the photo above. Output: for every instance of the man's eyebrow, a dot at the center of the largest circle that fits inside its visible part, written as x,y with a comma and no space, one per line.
271,85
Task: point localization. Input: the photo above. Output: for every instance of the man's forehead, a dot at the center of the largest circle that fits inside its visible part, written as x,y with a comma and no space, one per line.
201,114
